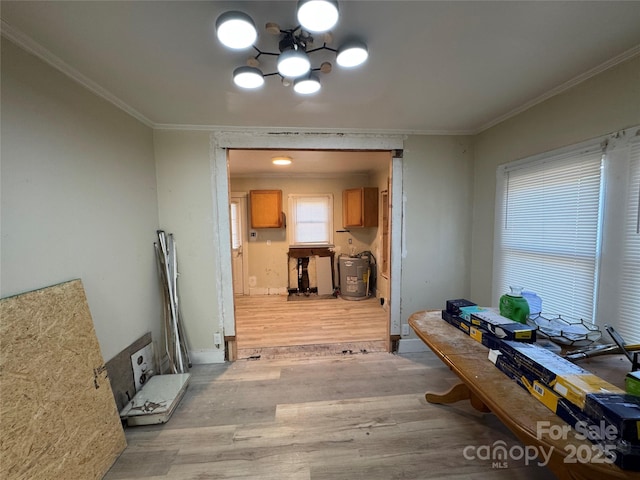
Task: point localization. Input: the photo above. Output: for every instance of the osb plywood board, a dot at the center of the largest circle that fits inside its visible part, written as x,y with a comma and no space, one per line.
58,418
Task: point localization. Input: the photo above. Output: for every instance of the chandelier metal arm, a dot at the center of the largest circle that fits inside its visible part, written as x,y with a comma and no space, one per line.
260,52
313,50
323,47
317,69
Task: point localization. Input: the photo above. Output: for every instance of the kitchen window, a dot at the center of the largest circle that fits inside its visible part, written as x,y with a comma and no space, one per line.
311,220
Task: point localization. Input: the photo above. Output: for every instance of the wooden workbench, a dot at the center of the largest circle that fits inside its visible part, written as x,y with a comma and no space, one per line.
488,389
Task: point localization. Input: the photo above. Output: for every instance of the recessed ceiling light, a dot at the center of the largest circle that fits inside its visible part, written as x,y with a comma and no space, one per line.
281,160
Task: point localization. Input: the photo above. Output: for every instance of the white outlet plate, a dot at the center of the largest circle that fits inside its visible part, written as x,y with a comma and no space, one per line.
405,330
142,364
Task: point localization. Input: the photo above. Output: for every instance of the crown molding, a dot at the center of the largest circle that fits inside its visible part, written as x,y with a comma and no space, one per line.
624,56
297,129
27,43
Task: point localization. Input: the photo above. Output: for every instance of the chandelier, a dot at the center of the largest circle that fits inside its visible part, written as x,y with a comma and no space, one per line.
236,30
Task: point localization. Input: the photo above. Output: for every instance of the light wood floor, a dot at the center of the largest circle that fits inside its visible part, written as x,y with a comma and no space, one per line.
272,326
341,417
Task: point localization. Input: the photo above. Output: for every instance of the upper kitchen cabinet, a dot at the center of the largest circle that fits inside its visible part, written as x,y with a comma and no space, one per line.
360,207
266,208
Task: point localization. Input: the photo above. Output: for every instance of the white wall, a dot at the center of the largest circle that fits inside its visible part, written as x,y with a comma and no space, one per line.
603,104
437,173
78,199
186,210
437,186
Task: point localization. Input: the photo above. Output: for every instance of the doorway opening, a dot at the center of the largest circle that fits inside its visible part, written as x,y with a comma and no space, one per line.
315,192
223,142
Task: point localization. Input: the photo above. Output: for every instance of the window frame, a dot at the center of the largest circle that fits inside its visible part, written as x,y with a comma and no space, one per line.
293,198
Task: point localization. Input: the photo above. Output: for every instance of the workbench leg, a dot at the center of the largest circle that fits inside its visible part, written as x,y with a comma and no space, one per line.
456,393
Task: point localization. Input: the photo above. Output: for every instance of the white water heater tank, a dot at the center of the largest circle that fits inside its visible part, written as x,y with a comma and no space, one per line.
354,277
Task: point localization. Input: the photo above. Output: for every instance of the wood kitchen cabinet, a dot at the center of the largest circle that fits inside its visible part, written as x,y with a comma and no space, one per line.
360,207
266,208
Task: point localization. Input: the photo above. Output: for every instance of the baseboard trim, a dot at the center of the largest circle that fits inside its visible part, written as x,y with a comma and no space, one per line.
411,345
203,357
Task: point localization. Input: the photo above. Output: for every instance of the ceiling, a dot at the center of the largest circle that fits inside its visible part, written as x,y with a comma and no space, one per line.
307,162
435,67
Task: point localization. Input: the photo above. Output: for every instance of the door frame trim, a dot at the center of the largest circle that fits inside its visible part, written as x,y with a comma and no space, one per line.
221,141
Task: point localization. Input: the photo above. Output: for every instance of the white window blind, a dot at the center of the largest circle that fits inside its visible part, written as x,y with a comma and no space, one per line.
568,228
547,230
628,313
311,219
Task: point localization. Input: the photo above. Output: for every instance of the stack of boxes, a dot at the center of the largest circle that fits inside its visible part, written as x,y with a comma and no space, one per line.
596,409
485,325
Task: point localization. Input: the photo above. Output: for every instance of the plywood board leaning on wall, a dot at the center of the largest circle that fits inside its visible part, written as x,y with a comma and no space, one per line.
58,417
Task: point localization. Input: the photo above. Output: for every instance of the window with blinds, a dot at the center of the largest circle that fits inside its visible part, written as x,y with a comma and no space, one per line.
628,324
311,219
568,228
548,238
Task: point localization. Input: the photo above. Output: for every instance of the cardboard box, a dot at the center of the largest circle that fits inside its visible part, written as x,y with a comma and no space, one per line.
567,379
456,321
537,362
614,449
484,337
588,424
622,411
502,327
465,312
576,388
453,306
478,334
544,395
628,461
505,366
597,430
537,389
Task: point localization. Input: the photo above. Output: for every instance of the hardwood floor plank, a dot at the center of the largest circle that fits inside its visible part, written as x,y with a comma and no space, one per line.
271,322
321,418
147,438
275,468
145,463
